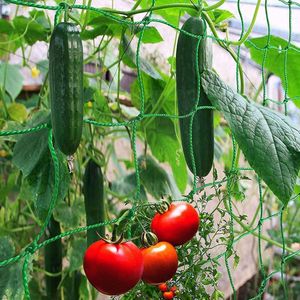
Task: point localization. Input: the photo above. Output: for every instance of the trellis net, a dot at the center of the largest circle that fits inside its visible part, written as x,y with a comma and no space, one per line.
256,230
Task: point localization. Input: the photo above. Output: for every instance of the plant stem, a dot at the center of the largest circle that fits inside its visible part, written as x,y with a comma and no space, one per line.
226,47
214,6
158,105
86,15
145,10
258,208
137,3
248,32
252,231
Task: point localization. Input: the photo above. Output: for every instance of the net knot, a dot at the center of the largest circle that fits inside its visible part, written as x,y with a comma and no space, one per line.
139,117
146,20
130,214
30,249
63,5
233,172
286,100
190,195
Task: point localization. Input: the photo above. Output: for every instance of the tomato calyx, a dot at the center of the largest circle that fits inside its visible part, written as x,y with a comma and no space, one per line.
148,239
114,239
163,206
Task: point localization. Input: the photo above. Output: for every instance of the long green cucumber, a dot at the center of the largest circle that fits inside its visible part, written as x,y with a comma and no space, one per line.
187,97
66,86
53,260
94,200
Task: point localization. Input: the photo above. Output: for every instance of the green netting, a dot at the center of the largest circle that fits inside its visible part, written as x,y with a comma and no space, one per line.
249,230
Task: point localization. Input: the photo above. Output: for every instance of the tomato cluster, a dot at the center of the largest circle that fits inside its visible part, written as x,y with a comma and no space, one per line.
114,268
168,293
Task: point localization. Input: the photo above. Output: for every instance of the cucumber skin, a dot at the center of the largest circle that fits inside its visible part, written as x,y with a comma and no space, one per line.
94,200
186,84
66,86
53,259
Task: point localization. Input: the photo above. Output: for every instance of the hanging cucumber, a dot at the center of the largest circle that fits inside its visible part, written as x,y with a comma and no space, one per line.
66,86
187,93
94,200
53,260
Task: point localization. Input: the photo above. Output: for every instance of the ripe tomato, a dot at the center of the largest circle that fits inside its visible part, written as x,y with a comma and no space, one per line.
177,225
113,269
173,289
163,287
160,263
168,295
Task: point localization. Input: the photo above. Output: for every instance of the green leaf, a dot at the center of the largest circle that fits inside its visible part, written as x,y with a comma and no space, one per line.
11,286
129,58
170,15
32,148
102,25
269,141
76,253
126,186
165,147
5,26
17,112
220,15
43,66
151,36
42,184
236,260
217,295
152,90
40,17
101,107
11,79
31,29
101,30
275,61
68,216
153,177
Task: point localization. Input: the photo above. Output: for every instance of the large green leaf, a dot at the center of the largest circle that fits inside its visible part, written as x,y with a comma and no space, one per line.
31,149
76,253
151,35
275,61
102,25
165,146
170,15
161,132
69,216
152,91
31,29
32,156
5,26
11,286
126,186
269,141
153,177
41,181
11,79
129,58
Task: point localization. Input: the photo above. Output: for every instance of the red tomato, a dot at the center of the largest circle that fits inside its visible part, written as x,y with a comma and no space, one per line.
113,269
168,295
163,287
177,225
160,263
173,289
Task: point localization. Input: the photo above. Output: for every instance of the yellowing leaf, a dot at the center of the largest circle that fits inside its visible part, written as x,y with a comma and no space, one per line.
17,112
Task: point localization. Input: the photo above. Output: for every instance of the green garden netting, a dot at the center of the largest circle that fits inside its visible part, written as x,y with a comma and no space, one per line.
37,244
